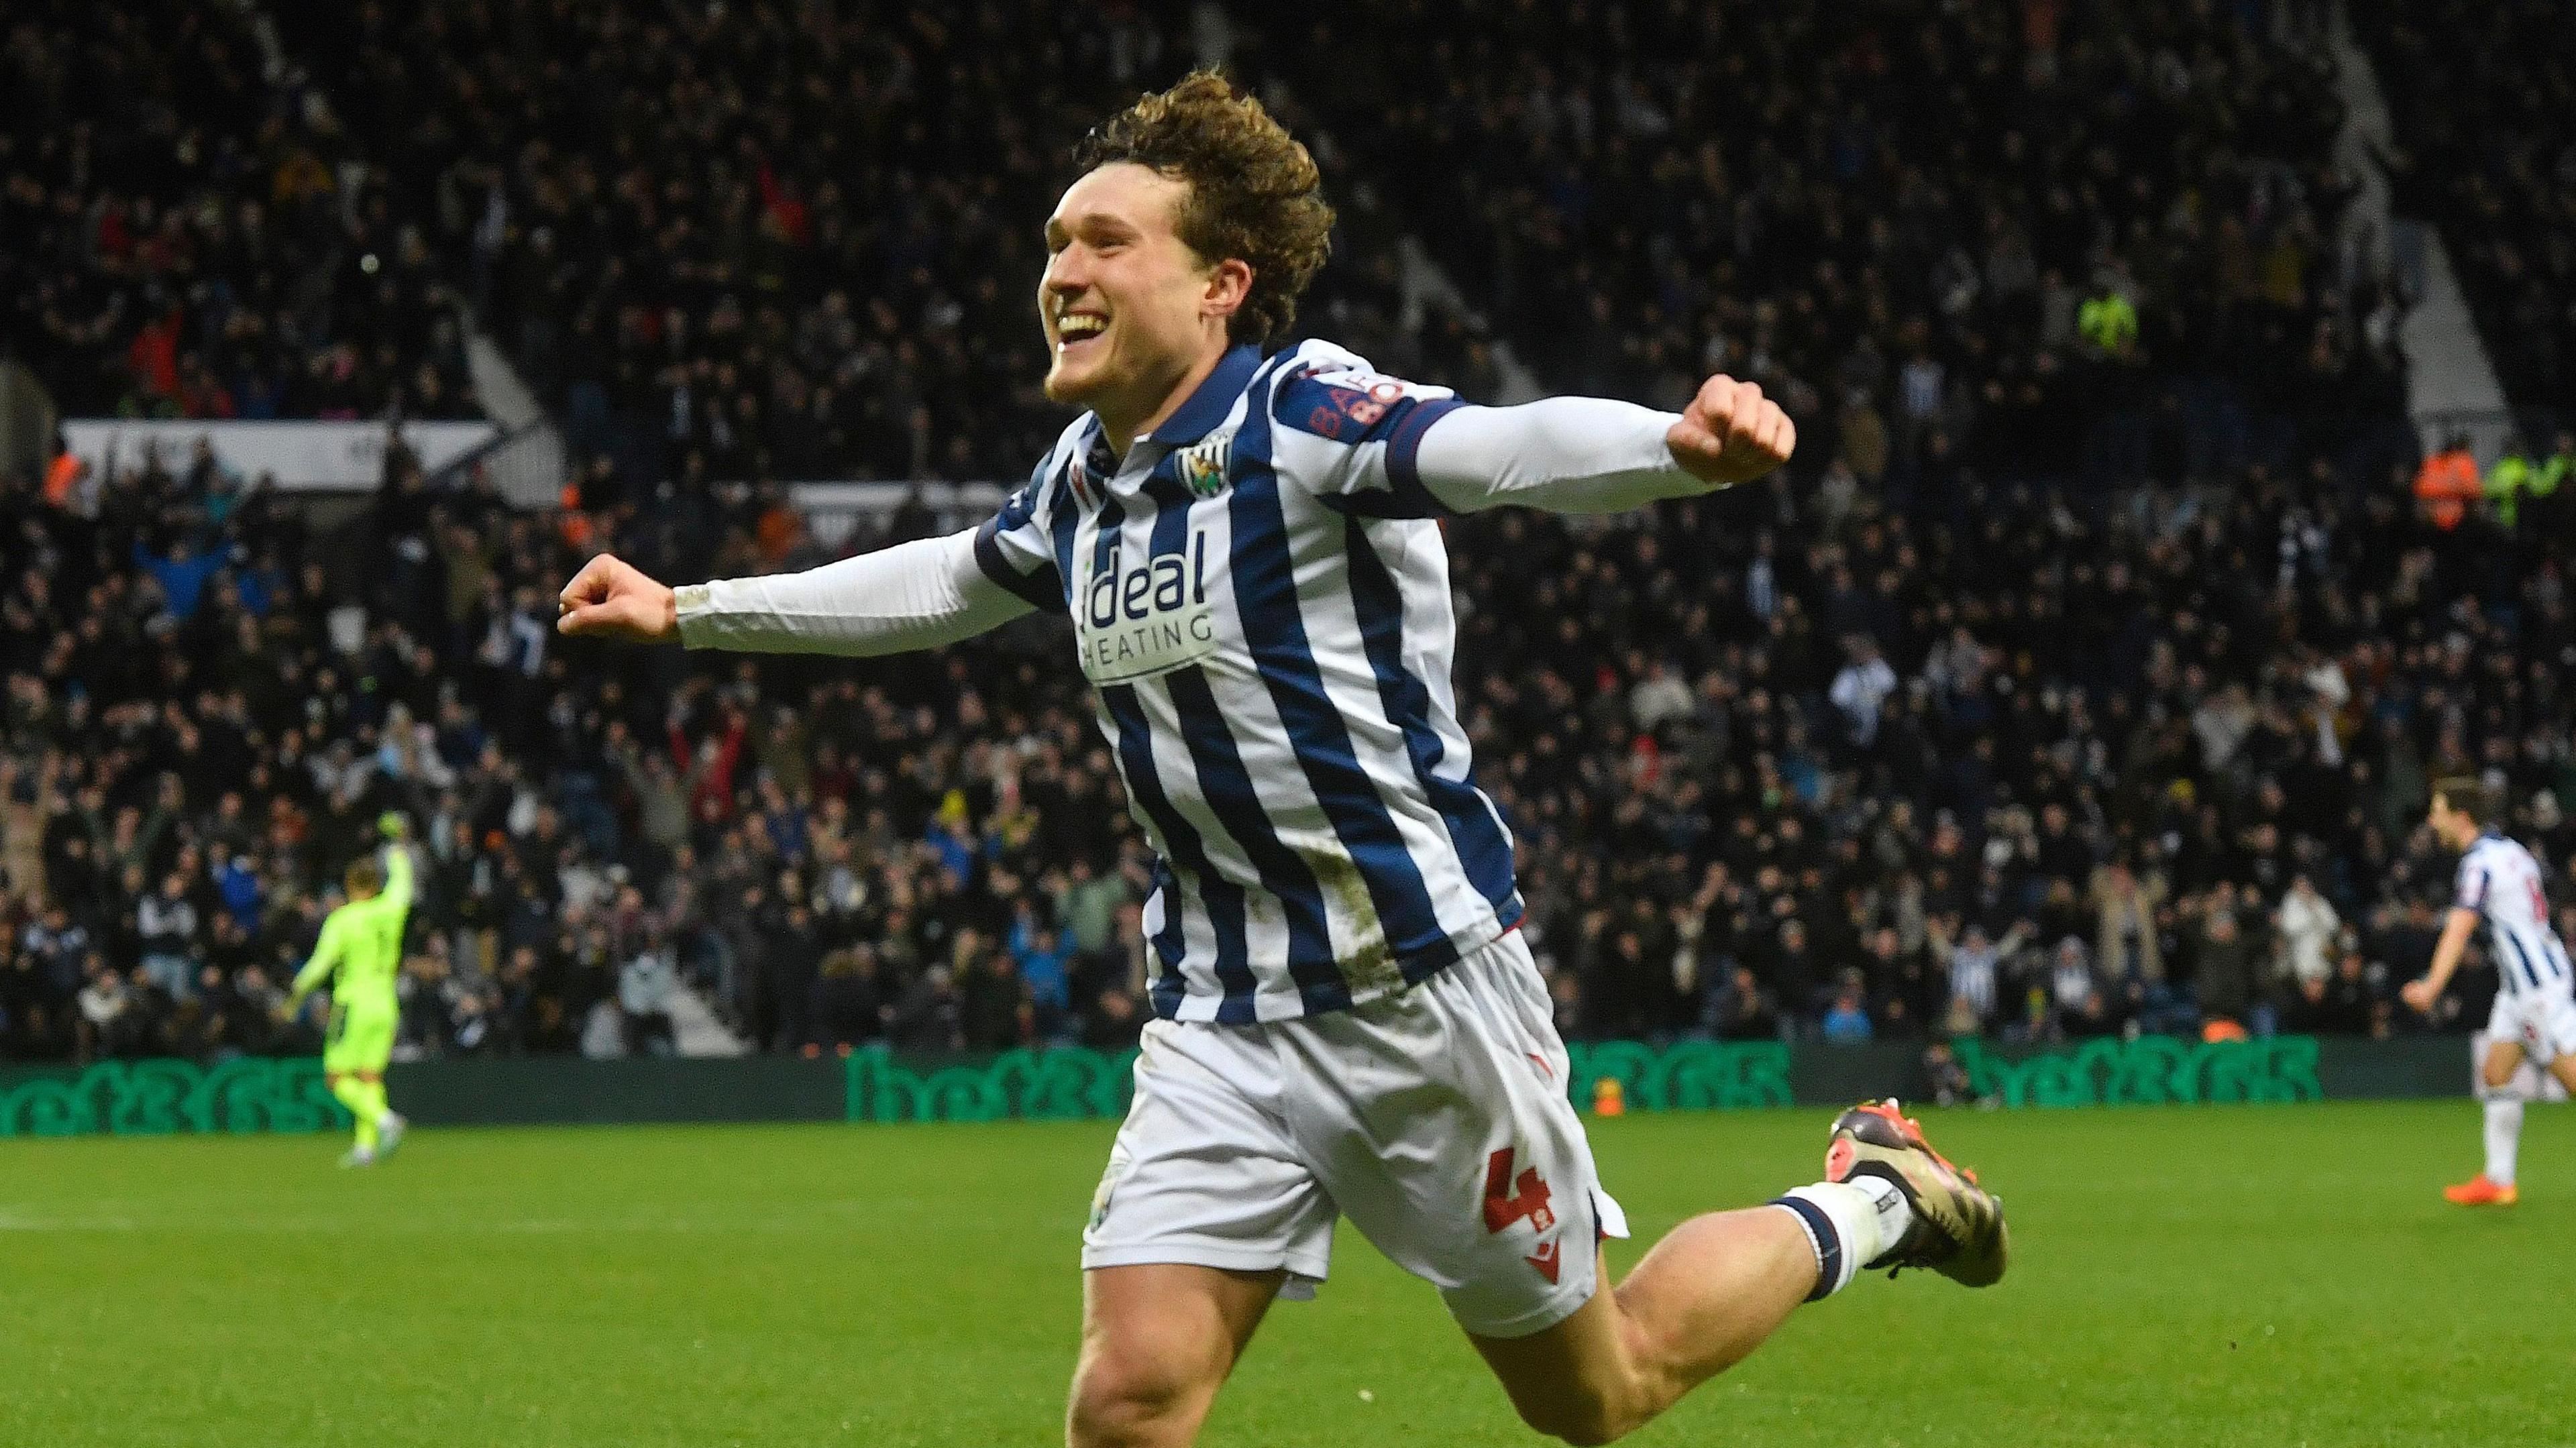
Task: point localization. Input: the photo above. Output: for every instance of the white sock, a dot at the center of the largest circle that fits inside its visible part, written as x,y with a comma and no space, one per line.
2504,1134
1850,1224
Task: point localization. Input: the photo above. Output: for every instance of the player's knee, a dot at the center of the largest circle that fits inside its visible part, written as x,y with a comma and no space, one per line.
1121,1399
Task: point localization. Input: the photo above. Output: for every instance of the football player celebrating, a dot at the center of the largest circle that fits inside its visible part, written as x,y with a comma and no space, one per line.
1349,1020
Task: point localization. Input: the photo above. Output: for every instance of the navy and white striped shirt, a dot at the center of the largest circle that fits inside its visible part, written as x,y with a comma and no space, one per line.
2501,881
1261,600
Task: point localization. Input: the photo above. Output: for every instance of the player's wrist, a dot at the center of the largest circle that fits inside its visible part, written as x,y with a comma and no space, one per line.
688,604
1681,454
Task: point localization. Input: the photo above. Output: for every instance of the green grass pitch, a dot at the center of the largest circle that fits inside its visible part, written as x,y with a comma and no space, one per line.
2237,1275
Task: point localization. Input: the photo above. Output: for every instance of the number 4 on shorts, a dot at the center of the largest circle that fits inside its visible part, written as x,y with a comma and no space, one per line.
1508,1200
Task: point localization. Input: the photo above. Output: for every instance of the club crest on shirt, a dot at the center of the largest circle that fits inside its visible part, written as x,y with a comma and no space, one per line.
1202,464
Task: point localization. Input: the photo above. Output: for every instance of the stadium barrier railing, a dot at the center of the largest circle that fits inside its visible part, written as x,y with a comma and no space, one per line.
524,464
297,457
2493,431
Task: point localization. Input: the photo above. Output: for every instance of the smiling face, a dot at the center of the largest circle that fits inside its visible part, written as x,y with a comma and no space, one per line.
1129,310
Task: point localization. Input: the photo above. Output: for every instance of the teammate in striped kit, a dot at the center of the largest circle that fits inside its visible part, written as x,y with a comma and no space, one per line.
1349,1022
2535,1004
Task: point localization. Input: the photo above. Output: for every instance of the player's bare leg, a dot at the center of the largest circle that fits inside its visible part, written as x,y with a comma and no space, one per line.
1707,1294
2503,1059
2500,1106
1712,1290
1157,1342
2500,1102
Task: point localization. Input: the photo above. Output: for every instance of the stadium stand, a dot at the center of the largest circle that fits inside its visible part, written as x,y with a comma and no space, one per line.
2040,239
211,705
189,239
2086,634
766,240
2483,97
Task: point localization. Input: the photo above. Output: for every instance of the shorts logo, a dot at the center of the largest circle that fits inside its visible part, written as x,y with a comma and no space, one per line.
1510,1199
1202,465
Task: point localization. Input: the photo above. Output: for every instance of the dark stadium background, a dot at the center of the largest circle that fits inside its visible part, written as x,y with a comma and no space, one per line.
2098,611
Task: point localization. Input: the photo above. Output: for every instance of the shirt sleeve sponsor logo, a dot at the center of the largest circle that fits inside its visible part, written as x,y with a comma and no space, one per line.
1351,402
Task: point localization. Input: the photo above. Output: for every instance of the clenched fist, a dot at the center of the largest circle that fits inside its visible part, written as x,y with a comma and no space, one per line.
613,599
1731,433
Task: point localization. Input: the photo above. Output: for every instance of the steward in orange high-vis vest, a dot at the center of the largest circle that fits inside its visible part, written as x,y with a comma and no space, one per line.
2447,484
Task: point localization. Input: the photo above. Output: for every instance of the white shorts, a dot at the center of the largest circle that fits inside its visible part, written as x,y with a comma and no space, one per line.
2544,1021
1436,1118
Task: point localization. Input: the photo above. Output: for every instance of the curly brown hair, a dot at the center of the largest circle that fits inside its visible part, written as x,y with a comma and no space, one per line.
1254,192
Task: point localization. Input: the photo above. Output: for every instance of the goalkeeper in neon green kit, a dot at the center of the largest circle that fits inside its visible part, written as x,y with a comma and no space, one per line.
362,942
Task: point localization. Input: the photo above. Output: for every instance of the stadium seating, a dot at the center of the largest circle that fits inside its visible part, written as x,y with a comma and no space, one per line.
189,238
767,240
2084,629
2038,239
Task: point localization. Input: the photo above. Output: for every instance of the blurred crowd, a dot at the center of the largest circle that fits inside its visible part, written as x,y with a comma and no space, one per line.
2005,764
2085,673
2022,761
190,236
2032,236
210,700
769,240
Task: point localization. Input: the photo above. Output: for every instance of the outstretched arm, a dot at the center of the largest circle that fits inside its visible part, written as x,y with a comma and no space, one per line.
398,877
1592,455
915,595
2446,958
